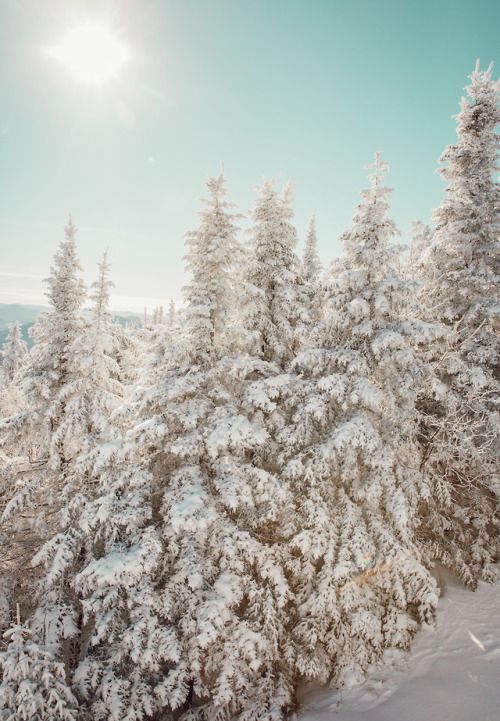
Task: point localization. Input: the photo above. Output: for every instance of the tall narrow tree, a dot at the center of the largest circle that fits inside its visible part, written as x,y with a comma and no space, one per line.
352,460
13,352
464,268
61,491
312,269
461,420
275,314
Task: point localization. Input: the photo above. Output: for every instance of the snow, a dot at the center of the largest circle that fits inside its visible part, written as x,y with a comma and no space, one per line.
451,672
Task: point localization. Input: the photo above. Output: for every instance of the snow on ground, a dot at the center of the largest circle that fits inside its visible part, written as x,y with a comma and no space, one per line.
452,672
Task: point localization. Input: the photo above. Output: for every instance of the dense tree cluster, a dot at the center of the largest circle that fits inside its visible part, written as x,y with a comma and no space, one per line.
250,493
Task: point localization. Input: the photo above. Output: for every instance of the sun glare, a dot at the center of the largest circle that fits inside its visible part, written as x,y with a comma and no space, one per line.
91,53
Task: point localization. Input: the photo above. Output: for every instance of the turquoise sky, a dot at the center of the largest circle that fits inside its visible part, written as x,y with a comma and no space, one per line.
306,88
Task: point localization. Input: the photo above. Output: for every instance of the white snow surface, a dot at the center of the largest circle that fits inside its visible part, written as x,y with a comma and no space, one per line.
452,672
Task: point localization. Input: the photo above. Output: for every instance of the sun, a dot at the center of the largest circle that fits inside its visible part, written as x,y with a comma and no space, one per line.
91,53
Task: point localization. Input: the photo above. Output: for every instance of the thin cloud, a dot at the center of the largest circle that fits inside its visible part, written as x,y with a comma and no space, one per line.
22,275
26,224
26,296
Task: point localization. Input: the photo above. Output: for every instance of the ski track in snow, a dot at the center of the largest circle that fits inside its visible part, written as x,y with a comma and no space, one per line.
452,672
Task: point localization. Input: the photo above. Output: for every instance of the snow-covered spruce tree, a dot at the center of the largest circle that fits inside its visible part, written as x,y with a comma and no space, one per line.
13,355
464,267
460,419
11,403
13,352
36,484
100,390
33,686
59,492
275,308
212,258
172,320
351,457
312,271
187,602
45,378
53,365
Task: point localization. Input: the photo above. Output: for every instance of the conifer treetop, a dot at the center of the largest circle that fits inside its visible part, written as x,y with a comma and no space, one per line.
278,311
465,252
311,262
67,290
100,295
13,352
371,231
212,253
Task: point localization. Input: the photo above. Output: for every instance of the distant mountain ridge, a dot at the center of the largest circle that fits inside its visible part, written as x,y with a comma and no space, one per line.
27,314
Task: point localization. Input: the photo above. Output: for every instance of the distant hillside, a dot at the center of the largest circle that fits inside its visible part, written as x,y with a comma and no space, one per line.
12,312
26,315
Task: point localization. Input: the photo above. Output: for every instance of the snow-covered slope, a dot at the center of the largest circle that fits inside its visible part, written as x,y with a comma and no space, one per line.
451,674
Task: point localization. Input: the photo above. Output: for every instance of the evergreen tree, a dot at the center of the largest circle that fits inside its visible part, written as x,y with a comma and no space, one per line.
275,310
464,268
352,460
54,535
213,256
172,315
311,262
33,684
13,356
13,353
460,419
188,600
312,270
52,369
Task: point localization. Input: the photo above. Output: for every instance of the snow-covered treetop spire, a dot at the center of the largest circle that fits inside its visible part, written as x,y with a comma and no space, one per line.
474,158
102,287
67,290
466,246
381,167
213,248
13,352
311,262
371,230
70,229
278,310
172,315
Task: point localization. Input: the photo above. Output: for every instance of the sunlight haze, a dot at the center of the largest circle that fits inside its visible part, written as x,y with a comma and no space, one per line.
124,134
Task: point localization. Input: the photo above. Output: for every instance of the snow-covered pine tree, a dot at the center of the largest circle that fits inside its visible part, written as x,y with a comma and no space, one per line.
172,315
310,261
460,419
52,366
45,378
464,268
13,355
275,307
33,686
55,534
35,484
188,600
13,352
213,256
312,270
352,460
100,390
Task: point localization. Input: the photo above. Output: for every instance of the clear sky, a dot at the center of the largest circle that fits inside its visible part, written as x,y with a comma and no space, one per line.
308,89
